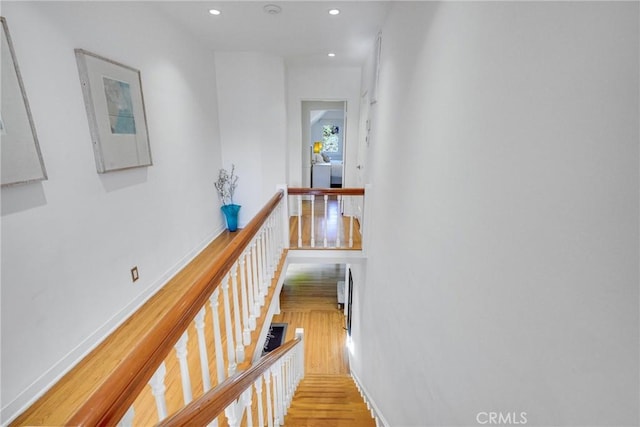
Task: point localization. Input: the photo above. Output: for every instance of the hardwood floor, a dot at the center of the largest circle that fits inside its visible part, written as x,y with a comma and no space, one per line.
309,300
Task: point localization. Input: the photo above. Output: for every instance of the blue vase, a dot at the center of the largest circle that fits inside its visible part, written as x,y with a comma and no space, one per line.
231,215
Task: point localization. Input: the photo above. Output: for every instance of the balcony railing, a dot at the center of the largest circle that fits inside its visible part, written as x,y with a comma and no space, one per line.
325,218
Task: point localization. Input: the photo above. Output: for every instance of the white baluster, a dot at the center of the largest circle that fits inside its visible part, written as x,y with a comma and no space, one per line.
281,397
247,395
181,352
265,279
283,390
246,332
313,221
279,229
157,389
256,278
251,297
258,386
284,226
273,261
217,335
338,222
231,355
299,334
326,199
202,347
267,385
213,423
127,419
286,382
260,271
299,223
267,249
236,314
232,415
277,421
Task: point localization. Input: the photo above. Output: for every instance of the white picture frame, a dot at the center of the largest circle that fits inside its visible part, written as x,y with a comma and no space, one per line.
115,109
21,157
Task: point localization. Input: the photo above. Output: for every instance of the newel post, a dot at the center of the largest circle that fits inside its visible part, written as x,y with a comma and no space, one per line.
285,215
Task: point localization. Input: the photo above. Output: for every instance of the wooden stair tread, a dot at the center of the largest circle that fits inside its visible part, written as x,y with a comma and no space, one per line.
328,401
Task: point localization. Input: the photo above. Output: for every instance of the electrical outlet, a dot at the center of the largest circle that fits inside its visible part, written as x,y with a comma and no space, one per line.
134,273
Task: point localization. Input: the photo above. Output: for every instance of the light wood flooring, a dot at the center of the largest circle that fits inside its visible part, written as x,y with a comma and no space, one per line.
309,300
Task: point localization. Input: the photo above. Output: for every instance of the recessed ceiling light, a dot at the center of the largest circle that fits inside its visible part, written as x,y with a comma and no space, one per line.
331,54
214,12
334,12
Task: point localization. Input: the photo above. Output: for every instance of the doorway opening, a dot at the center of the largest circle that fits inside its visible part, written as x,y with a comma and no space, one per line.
323,143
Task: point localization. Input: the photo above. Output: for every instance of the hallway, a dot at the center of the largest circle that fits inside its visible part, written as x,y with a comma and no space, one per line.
309,300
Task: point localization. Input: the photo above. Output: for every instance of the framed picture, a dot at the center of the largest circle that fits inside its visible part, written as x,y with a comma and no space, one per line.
115,109
21,156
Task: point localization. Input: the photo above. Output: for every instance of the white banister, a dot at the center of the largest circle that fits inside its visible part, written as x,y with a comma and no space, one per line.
202,348
217,335
158,390
181,353
236,314
231,356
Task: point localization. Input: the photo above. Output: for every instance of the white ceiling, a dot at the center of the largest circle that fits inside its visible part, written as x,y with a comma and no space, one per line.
303,33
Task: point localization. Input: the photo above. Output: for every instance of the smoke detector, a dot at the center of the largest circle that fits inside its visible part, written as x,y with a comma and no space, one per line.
272,9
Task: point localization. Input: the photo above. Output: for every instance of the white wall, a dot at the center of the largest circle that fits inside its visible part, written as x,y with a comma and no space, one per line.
503,221
68,243
251,99
321,84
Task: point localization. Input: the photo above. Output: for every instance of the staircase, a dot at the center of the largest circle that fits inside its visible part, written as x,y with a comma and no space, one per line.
327,400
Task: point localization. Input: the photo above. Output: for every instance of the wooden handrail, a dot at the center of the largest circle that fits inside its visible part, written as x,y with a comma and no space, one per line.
325,191
203,410
108,404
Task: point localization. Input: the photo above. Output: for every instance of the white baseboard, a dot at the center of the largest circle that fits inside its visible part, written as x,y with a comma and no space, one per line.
380,420
43,383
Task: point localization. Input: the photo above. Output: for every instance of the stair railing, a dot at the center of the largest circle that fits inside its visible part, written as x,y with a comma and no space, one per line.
274,378
229,290
326,218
